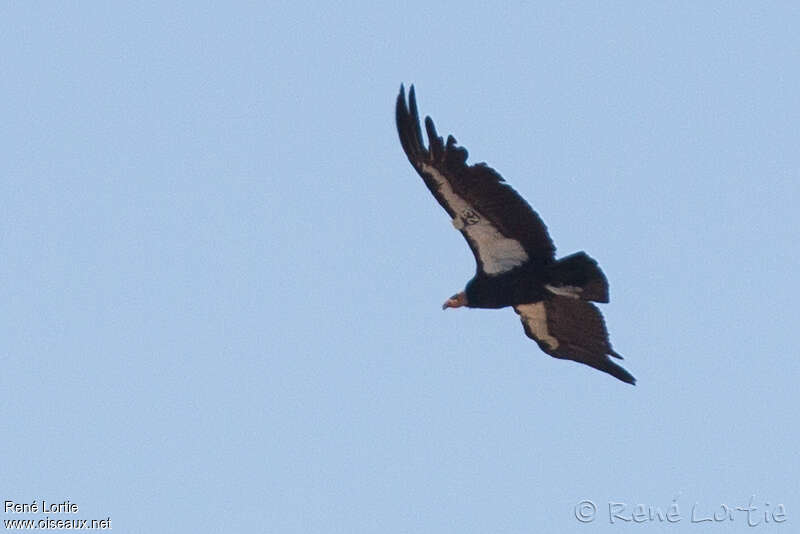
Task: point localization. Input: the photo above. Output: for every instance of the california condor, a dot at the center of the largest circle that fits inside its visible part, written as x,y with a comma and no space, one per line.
516,261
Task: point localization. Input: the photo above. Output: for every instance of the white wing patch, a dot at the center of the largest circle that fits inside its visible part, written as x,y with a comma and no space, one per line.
534,316
498,253
572,292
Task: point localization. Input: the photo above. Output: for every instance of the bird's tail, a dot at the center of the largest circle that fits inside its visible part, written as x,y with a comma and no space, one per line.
578,275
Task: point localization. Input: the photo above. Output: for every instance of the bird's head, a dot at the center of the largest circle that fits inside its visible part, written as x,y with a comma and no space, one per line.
456,301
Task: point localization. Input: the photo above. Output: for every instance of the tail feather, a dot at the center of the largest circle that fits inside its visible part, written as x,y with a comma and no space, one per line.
579,270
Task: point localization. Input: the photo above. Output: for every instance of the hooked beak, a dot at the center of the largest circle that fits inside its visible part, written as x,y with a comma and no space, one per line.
456,301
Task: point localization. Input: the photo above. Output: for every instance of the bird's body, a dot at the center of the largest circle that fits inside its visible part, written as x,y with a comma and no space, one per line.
519,286
516,263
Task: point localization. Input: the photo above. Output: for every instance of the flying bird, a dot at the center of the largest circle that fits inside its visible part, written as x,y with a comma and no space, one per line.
516,259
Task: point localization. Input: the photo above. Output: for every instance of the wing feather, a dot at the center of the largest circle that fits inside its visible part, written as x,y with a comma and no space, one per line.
572,329
501,228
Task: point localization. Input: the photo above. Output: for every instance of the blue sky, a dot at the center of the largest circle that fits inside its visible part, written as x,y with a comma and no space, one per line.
222,279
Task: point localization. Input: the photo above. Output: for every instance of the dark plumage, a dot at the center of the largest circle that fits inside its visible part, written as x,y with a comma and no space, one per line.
516,263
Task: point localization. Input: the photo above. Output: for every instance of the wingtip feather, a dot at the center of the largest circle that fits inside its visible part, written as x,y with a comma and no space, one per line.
618,372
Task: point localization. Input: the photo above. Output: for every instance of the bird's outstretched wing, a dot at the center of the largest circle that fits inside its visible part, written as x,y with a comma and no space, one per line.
501,228
572,329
